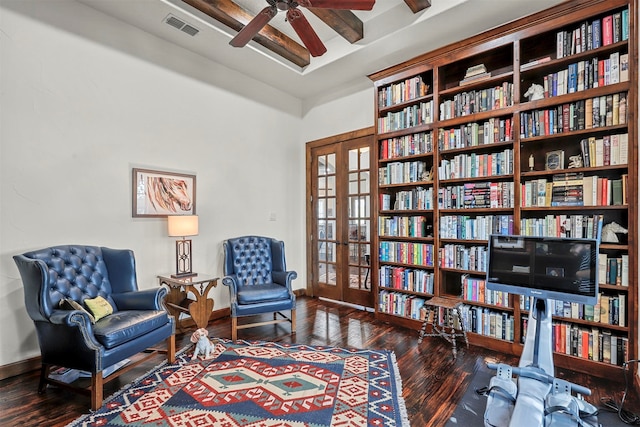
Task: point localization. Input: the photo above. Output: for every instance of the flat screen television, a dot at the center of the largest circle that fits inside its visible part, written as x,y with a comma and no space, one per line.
556,268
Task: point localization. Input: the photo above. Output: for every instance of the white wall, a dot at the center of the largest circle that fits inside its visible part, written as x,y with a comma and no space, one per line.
343,113
81,104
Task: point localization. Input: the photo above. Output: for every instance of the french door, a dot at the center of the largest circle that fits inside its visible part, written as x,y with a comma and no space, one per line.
339,225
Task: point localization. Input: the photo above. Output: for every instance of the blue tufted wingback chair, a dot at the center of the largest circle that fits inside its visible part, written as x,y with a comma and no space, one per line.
256,274
67,337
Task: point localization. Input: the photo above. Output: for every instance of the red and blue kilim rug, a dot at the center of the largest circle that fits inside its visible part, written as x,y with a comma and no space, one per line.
262,384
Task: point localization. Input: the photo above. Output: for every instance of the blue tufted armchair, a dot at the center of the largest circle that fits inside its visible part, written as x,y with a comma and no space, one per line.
258,280
67,337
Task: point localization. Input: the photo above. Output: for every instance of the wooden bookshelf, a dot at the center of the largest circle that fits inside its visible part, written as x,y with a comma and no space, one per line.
463,152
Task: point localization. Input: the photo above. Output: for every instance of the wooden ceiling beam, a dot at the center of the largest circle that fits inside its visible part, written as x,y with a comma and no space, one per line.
418,5
344,22
233,16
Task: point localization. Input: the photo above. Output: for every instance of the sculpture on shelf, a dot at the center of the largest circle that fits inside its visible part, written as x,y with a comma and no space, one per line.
534,92
203,344
609,232
427,175
575,161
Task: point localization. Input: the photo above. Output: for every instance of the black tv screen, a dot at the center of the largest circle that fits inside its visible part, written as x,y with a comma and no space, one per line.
563,269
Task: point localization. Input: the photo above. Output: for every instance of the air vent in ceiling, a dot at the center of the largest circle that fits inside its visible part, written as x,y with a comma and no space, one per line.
181,25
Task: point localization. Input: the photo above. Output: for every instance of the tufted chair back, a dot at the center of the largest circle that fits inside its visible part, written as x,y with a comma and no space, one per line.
251,260
72,271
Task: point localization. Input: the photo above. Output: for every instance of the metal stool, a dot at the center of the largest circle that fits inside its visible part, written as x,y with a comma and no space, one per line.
432,307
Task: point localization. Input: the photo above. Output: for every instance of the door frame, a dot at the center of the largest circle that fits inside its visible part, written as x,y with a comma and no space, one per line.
310,226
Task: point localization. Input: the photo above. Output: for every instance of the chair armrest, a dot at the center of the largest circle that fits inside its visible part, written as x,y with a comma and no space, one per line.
147,299
284,277
74,319
231,281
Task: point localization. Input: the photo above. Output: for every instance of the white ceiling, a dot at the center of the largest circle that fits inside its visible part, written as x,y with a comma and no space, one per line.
392,34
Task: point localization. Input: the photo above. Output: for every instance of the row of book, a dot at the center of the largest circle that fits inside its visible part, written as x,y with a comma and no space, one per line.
600,32
578,226
413,115
403,91
460,257
477,165
406,145
476,101
586,191
407,279
477,195
400,304
474,134
587,74
402,172
609,309
590,113
417,198
407,253
610,150
613,270
487,322
589,343
474,227
475,290
404,226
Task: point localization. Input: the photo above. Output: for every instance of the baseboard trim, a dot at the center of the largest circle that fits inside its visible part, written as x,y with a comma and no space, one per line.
21,367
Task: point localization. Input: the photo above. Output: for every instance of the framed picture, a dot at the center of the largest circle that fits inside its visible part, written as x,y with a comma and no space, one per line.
554,160
159,194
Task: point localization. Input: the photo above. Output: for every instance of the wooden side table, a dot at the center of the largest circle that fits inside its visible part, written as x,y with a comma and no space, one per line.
448,331
178,300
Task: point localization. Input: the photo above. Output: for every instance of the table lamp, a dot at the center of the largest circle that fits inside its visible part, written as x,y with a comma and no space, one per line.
182,226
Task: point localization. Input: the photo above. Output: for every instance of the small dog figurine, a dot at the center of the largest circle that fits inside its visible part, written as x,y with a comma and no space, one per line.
204,346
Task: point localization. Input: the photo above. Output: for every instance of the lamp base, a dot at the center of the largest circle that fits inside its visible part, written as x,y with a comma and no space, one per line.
183,275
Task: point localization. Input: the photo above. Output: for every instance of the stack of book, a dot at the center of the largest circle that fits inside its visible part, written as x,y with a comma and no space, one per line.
567,189
475,73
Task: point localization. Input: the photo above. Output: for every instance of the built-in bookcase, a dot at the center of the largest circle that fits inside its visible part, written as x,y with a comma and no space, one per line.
527,129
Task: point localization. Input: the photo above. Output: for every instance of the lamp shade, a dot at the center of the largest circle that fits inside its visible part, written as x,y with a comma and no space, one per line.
182,225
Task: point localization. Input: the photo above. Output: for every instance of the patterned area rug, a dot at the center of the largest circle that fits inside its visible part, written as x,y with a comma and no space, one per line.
263,384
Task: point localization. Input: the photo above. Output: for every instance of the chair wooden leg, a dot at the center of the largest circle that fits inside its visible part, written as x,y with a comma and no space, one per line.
96,390
234,328
44,374
171,348
293,321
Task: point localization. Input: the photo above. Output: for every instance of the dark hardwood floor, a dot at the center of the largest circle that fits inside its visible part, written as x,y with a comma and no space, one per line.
433,382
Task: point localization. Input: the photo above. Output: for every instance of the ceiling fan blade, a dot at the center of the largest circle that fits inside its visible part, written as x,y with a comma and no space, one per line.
306,32
339,4
254,26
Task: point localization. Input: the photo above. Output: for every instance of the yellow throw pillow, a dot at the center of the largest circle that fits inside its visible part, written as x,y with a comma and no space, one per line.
99,307
69,304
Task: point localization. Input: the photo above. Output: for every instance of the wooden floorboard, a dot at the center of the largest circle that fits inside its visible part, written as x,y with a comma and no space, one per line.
433,382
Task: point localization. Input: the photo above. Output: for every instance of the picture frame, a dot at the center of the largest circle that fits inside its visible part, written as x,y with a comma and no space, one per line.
158,194
554,160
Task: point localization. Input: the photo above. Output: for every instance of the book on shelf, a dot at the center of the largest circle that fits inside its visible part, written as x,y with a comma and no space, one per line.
475,78
475,70
535,62
607,30
624,67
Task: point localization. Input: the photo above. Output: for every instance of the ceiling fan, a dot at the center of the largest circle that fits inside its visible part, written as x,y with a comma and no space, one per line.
297,20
